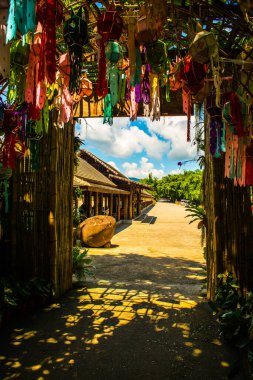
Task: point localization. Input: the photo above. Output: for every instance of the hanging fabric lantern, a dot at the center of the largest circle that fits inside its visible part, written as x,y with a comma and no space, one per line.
50,14
75,32
113,51
203,47
216,126
157,57
33,90
192,76
109,26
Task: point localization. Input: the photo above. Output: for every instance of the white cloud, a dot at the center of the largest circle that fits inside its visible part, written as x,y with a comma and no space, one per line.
121,139
112,163
142,170
175,129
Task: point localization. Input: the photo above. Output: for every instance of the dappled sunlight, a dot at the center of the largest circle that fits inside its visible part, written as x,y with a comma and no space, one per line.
94,323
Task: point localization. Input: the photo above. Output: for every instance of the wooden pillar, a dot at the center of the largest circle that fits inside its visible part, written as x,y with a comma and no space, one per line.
118,207
89,204
138,202
130,204
126,207
96,204
111,205
100,209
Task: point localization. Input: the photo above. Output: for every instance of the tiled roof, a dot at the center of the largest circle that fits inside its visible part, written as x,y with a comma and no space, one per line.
88,173
103,163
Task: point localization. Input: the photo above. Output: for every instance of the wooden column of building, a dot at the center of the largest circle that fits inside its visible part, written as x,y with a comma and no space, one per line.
130,204
96,204
126,207
138,202
111,205
107,204
89,204
118,207
101,200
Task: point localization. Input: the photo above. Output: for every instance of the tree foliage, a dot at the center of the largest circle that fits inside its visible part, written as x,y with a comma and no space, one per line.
187,185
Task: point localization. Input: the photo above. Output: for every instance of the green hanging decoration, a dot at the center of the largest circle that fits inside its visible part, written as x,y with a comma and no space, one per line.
108,110
122,85
19,56
157,57
113,83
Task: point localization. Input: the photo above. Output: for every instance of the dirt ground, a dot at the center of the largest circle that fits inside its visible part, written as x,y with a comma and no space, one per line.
141,318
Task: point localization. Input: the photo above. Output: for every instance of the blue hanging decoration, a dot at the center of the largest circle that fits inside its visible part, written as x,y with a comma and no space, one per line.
75,33
22,17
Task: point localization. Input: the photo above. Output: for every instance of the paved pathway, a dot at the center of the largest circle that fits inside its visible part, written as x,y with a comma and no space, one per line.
141,319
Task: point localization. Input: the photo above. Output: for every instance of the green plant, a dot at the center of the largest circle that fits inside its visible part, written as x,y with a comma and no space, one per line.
14,294
77,144
82,264
197,213
234,315
76,219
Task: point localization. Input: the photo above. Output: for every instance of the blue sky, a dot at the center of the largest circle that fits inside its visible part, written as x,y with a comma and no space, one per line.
140,147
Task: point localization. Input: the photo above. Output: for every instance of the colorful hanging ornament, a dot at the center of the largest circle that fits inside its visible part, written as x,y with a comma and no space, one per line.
4,47
155,112
19,56
50,15
35,94
203,47
216,126
109,26
174,77
21,18
113,51
192,75
131,23
75,33
107,110
157,57
234,113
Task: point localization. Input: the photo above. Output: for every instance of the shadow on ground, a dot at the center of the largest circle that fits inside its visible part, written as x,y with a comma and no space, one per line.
143,269
115,330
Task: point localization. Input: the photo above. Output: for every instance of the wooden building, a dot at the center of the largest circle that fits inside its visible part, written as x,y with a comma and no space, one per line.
107,191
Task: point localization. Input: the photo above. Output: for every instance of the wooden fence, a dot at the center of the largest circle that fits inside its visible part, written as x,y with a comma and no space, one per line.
229,226
41,222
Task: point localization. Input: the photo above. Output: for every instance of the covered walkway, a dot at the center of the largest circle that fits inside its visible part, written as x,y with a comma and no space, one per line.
141,319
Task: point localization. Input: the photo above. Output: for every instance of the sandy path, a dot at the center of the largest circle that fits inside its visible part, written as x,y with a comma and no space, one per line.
141,319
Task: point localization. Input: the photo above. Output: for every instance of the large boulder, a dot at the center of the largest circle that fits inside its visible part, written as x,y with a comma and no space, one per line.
97,231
